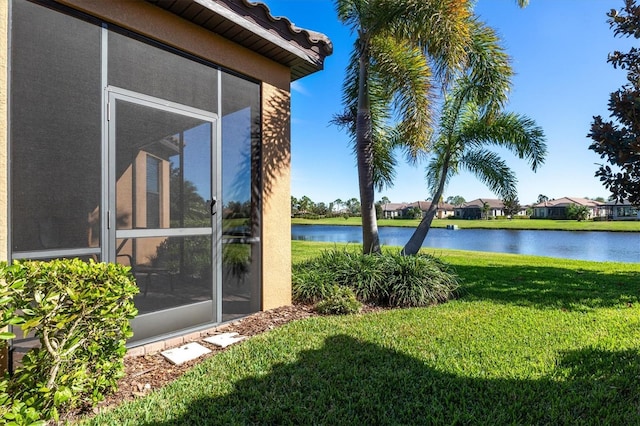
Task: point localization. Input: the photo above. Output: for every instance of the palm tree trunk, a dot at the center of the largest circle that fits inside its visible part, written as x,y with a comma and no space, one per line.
364,154
420,234
415,242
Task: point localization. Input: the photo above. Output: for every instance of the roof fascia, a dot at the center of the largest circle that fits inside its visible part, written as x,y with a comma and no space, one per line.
254,28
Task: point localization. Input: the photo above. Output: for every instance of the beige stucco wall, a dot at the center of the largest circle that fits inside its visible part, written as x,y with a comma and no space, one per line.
276,221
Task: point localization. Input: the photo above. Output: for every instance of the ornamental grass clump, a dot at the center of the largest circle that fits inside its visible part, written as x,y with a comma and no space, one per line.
380,279
419,280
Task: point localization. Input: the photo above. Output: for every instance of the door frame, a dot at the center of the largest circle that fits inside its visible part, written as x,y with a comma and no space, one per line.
150,326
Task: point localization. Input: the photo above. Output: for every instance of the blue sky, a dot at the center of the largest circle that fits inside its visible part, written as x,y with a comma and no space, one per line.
558,49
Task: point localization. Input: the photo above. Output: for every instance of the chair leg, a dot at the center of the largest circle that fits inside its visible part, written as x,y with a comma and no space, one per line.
146,284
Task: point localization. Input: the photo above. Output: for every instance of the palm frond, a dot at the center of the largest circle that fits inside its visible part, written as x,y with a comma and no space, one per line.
379,98
384,138
384,160
434,173
517,133
488,79
404,71
491,170
442,30
353,13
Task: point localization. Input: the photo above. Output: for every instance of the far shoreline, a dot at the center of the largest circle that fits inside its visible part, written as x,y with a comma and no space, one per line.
516,224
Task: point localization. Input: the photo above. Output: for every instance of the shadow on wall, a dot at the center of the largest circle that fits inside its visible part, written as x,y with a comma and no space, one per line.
349,381
276,148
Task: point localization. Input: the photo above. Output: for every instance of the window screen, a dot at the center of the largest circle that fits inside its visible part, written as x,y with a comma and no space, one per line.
240,195
55,130
149,70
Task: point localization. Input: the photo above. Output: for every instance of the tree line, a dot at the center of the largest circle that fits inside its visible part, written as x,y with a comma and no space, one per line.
306,207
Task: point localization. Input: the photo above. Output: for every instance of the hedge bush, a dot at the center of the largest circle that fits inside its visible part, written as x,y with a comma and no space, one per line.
340,301
80,313
381,279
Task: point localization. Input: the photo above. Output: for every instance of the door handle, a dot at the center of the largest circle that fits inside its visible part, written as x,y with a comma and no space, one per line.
213,206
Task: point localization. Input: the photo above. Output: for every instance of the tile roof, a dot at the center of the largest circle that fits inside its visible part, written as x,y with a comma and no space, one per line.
567,201
251,25
390,207
494,203
422,205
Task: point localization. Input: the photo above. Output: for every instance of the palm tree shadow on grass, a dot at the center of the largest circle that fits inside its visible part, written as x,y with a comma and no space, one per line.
348,381
549,288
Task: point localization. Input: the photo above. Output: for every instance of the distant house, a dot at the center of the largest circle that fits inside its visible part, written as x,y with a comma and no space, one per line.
621,211
393,210
557,209
402,210
444,210
474,209
523,210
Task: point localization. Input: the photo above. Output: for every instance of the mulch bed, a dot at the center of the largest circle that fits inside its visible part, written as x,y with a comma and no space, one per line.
146,373
143,374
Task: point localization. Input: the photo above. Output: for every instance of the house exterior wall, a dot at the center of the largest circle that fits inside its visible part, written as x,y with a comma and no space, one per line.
148,20
276,195
442,214
624,212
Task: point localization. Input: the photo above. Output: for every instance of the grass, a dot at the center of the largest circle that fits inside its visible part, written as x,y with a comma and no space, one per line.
529,224
533,340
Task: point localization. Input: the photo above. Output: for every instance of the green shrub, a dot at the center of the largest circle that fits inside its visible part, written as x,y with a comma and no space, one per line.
12,410
419,280
312,280
310,285
381,279
340,301
80,312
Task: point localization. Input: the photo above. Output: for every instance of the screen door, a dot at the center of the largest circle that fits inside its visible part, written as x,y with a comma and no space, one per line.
162,219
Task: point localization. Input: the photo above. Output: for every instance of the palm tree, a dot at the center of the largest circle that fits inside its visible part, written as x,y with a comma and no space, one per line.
542,199
353,205
511,206
464,131
305,204
399,45
486,208
456,200
338,203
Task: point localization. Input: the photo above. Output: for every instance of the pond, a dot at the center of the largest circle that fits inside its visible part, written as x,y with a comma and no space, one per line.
582,245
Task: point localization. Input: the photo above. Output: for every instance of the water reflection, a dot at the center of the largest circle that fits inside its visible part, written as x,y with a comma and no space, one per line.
596,246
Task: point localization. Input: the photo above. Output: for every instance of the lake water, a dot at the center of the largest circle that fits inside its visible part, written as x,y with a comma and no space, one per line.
590,245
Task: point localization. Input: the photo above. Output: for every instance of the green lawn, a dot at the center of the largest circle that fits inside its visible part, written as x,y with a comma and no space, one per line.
532,340
558,225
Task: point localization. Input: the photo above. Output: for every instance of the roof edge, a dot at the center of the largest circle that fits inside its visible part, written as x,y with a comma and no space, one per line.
313,37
